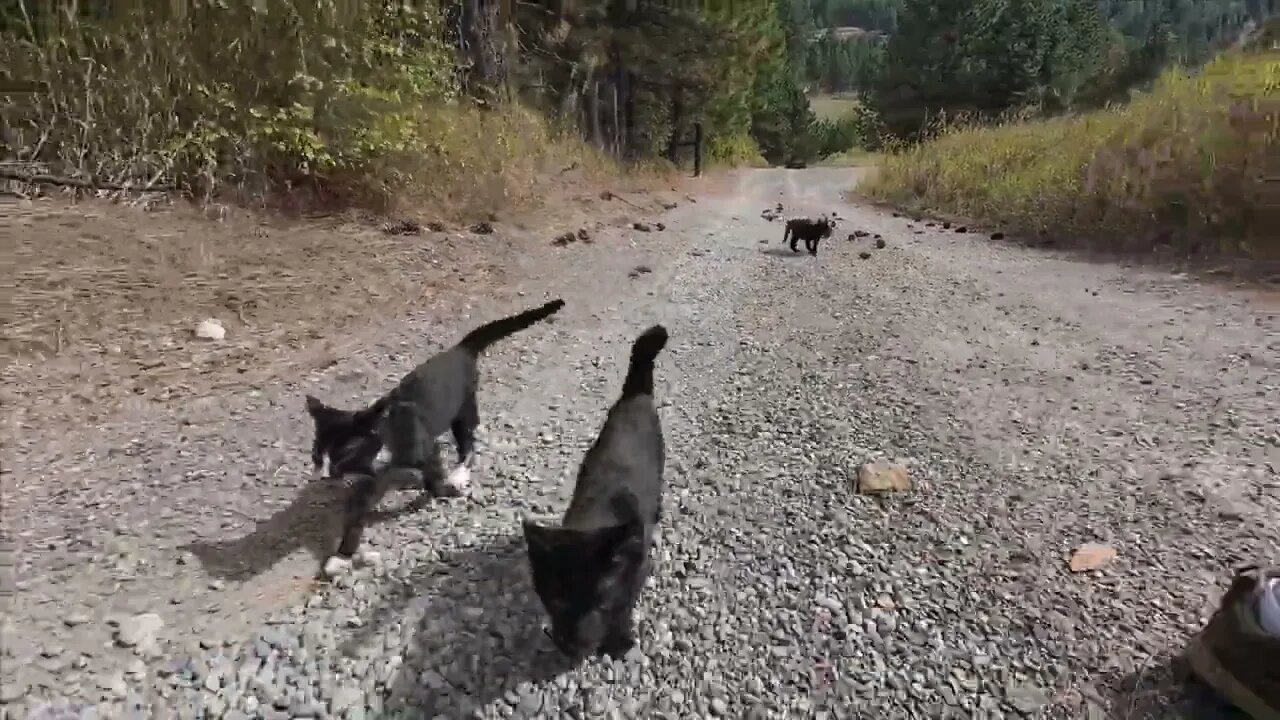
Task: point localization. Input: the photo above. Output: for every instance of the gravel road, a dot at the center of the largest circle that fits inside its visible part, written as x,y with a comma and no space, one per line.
163,567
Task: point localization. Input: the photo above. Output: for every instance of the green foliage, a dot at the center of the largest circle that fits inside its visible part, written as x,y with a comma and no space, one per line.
1190,31
734,150
985,59
784,125
835,65
280,93
670,65
881,15
858,128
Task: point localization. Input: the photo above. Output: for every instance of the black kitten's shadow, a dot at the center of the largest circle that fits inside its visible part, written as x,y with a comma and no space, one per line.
476,634
784,253
1167,690
313,520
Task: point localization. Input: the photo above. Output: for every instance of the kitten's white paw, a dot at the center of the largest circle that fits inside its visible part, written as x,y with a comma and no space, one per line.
459,480
368,558
317,474
381,460
336,566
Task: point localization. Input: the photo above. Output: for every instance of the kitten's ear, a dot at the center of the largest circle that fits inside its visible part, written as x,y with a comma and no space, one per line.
314,406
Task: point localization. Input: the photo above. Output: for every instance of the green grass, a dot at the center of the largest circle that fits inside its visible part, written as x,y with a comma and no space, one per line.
1193,163
833,107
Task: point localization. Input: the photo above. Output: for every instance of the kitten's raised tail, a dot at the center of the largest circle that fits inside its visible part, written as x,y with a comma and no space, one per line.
479,340
640,372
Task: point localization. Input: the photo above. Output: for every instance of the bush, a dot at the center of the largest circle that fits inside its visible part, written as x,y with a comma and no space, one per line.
736,150
857,128
357,102
1187,161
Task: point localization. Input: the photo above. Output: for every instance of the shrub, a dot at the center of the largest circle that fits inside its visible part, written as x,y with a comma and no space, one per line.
858,128
735,150
1195,158
354,101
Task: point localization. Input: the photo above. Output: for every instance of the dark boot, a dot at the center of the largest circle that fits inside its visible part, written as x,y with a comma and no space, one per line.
1234,655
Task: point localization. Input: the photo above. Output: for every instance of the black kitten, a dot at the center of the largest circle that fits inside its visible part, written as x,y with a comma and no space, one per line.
811,231
399,431
589,571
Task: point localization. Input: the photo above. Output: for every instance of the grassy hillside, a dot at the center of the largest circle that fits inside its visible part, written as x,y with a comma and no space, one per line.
1193,163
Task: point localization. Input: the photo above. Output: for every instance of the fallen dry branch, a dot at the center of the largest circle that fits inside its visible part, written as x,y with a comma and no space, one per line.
64,181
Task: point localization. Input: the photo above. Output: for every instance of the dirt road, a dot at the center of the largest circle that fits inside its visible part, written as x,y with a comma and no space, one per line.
1040,403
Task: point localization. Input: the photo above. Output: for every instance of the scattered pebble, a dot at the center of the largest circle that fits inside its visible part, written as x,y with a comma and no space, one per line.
210,329
1092,556
139,630
882,476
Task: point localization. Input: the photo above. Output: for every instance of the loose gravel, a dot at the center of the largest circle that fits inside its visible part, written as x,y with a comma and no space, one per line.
1038,402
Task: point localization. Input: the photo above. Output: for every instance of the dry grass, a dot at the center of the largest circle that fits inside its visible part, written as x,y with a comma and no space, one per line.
105,297
1194,164
853,158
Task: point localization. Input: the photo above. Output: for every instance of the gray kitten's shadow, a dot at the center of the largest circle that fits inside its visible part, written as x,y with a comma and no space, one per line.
784,253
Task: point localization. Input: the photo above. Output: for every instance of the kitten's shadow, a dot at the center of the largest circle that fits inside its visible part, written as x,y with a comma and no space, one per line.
313,520
1166,690
783,253
475,632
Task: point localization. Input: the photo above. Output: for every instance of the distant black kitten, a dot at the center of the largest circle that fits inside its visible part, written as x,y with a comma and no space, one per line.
589,571
399,431
811,231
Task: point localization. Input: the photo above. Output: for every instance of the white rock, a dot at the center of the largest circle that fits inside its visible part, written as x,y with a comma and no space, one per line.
139,630
210,329
459,480
336,566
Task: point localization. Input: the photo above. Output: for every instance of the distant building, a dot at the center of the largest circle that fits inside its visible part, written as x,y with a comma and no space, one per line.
848,33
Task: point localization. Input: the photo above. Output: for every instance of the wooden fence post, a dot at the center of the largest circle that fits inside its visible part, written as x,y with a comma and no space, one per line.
697,149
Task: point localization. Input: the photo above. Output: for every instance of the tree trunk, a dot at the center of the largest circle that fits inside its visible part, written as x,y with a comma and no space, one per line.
569,97
593,113
629,114
616,144
677,117
481,43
